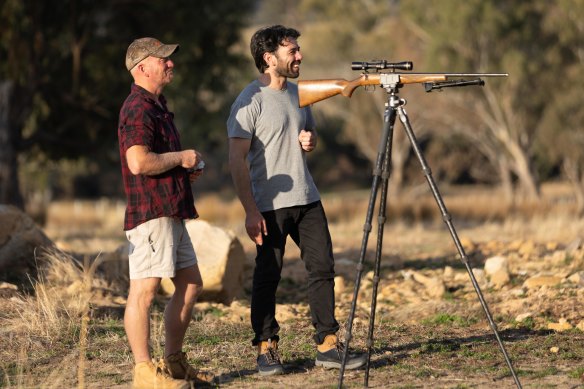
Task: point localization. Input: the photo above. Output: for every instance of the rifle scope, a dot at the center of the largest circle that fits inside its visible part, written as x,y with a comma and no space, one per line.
382,64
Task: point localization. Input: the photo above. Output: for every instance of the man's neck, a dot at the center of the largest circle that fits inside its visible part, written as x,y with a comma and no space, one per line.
272,81
154,89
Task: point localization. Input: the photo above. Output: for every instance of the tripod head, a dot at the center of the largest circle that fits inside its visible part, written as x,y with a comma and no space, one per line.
379,64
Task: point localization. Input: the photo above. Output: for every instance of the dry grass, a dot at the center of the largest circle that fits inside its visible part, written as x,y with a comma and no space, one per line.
57,312
54,327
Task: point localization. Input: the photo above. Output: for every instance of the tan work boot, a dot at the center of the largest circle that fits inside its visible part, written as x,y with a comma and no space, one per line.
330,355
268,358
178,367
147,375
329,342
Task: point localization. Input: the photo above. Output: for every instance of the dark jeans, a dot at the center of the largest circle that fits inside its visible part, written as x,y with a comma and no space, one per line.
308,227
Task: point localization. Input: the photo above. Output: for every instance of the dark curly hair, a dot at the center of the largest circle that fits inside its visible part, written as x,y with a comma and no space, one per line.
267,40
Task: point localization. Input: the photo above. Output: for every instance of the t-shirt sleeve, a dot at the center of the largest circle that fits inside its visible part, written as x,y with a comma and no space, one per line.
242,119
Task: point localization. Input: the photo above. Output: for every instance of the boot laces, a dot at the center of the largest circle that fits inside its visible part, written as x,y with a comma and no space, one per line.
272,354
162,369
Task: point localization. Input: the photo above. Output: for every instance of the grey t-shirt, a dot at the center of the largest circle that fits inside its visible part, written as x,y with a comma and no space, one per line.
272,120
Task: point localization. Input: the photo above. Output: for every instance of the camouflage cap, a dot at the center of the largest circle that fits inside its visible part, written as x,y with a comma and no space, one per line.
147,47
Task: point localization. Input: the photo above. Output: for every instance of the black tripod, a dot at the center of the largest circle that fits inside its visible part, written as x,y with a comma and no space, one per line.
381,174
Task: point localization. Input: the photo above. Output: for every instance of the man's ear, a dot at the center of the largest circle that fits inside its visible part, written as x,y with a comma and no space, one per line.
270,59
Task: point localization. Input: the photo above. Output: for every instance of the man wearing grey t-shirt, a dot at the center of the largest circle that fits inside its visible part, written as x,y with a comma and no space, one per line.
269,136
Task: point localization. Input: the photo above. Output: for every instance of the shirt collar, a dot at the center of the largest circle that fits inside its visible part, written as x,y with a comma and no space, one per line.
147,95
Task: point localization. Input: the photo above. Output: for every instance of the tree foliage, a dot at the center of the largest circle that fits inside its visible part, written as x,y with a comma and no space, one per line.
538,43
62,80
63,70
509,36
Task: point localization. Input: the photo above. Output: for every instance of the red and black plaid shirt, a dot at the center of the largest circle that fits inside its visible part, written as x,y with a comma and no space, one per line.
143,122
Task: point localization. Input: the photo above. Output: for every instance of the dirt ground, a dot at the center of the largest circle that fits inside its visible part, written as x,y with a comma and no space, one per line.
430,329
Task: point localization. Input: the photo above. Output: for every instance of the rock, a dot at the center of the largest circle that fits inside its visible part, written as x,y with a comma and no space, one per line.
574,245
286,312
496,264
500,278
339,285
448,273
524,316
498,269
434,286
527,248
20,241
539,281
221,260
464,278
238,313
561,325
577,278
554,349
552,246
580,325
468,245
6,285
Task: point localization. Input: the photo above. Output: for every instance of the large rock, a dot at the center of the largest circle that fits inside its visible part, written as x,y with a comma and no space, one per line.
20,240
221,261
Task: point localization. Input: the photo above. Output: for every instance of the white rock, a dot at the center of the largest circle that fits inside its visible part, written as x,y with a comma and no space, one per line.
496,264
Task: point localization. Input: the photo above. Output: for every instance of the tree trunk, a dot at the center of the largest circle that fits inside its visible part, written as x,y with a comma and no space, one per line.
9,183
576,177
506,182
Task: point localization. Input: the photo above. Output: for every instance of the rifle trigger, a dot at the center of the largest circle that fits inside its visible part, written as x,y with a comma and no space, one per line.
369,88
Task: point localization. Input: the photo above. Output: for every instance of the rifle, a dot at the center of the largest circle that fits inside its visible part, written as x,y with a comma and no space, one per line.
312,91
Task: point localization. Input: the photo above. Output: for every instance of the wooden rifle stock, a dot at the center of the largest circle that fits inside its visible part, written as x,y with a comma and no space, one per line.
312,91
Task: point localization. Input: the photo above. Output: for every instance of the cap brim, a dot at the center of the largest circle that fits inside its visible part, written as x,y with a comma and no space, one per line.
165,51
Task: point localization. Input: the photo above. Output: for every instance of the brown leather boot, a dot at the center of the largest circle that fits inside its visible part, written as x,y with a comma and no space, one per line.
178,367
147,375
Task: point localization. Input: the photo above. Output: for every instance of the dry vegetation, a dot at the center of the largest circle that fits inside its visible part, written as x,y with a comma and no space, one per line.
68,332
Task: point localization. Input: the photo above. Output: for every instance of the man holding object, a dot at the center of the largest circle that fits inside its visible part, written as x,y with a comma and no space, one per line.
268,131
157,174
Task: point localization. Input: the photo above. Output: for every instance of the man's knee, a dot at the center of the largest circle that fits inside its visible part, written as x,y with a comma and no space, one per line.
321,275
197,289
143,291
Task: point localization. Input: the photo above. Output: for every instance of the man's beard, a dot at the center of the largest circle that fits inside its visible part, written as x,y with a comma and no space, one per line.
288,72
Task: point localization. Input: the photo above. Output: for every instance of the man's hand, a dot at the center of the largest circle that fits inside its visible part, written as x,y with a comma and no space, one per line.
307,140
255,225
190,158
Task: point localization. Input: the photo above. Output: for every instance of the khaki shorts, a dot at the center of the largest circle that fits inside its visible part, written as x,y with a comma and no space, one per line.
160,247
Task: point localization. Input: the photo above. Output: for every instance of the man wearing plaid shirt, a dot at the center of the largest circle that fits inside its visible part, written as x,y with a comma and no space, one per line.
157,174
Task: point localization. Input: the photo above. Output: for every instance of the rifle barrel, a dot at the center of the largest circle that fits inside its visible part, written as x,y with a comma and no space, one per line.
465,74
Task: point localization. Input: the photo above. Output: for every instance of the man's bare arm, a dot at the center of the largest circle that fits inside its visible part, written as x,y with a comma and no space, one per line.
254,221
143,161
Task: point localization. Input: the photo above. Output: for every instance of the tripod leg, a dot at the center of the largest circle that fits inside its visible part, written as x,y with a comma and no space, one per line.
388,123
385,174
448,220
